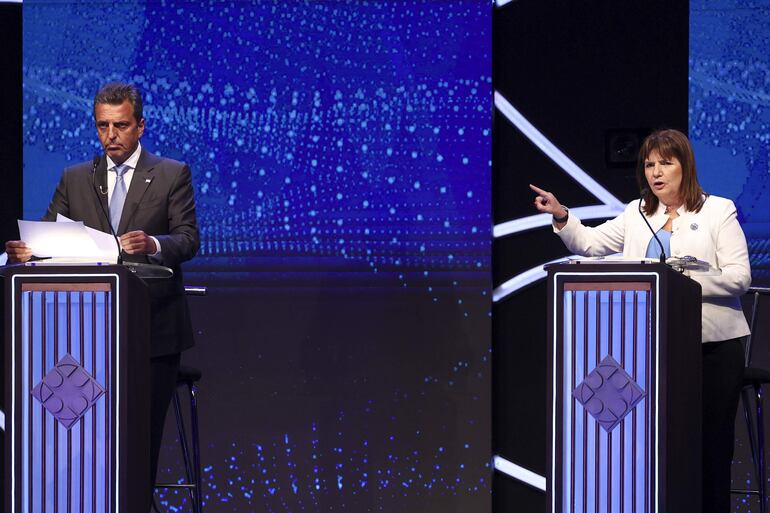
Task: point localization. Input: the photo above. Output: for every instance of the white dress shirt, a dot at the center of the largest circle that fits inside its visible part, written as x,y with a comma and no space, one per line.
712,235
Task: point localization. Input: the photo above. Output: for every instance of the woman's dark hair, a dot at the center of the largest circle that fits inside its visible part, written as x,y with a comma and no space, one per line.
116,93
669,144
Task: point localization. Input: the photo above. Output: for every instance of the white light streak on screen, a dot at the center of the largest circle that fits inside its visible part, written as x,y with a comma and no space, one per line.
555,154
522,280
518,472
538,220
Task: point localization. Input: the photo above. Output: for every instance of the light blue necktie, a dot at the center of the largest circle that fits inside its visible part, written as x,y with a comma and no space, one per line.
118,196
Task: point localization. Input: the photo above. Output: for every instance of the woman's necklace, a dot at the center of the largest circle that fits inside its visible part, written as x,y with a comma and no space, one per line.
671,210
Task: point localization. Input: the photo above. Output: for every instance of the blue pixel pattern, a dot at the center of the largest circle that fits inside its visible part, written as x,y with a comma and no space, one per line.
730,113
353,132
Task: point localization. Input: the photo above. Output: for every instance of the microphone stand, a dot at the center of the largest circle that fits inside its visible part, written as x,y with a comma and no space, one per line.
97,159
662,251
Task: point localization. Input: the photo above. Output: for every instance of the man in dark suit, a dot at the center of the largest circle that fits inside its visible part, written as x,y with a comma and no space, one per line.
150,204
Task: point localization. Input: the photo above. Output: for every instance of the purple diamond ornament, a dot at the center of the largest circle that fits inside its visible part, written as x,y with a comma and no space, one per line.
67,391
608,393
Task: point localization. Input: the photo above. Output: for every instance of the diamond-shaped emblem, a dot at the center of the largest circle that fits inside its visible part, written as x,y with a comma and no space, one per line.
608,393
67,391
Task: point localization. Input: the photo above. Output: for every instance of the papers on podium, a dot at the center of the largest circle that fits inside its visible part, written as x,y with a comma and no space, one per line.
687,265
68,241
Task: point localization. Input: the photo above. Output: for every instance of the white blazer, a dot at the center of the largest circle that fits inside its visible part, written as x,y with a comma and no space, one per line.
712,235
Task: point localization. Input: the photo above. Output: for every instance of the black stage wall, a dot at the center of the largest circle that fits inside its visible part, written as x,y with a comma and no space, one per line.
590,77
10,137
10,119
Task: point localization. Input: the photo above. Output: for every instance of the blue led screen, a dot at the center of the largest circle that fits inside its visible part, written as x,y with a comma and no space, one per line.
730,113
341,157
343,130
730,131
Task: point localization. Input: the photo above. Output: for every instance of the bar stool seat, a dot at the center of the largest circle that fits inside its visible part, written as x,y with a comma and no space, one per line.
753,376
189,375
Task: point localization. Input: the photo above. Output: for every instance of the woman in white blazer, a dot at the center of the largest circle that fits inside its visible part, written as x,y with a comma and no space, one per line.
688,222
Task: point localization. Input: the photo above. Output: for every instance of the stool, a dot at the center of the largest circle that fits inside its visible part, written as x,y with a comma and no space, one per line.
188,377
754,379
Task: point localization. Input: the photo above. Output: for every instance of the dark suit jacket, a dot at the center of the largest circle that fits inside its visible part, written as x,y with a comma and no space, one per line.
160,201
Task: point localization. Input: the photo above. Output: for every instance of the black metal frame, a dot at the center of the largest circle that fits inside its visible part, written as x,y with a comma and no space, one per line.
192,462
755,430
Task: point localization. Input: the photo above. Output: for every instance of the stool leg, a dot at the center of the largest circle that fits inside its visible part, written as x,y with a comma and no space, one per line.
196,448
748,415
183,442
761,452
747,399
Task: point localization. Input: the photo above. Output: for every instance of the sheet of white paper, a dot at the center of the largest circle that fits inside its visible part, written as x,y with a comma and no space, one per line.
67,240
617,258
57,239
105,242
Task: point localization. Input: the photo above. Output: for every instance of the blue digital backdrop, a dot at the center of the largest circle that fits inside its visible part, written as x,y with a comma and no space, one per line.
730,113
354,131
341,155
730,131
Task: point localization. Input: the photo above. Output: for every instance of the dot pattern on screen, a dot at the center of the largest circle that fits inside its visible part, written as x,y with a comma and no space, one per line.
344,137
354,135
730,113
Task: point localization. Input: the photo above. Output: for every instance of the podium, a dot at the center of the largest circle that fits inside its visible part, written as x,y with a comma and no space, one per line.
624,389
75,389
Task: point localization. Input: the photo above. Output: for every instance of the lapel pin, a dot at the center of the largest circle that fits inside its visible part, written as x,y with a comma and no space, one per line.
147,180
694,226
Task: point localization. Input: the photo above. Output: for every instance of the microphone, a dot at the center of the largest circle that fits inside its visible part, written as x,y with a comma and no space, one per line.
645,191
97,159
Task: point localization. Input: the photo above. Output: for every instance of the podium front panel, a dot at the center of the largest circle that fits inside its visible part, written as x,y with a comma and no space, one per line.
604,393
64,392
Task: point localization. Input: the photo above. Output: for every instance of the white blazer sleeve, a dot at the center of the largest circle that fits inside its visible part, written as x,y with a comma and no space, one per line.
731,257
605,239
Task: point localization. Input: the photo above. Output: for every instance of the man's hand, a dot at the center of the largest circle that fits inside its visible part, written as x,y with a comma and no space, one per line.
137,243
17,251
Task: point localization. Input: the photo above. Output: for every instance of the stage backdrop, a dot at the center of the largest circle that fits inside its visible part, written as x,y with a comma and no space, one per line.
341,159
730,130
730,113
701,67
